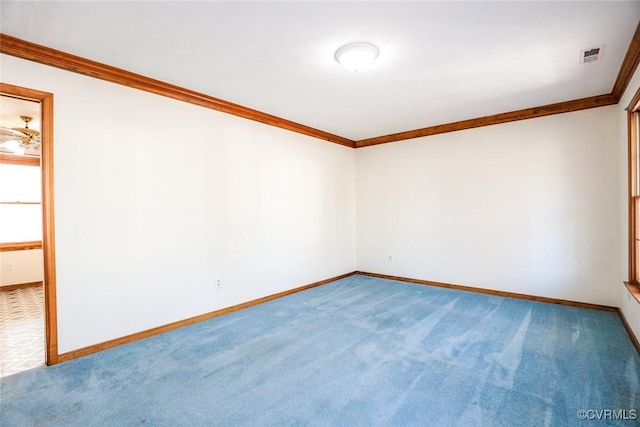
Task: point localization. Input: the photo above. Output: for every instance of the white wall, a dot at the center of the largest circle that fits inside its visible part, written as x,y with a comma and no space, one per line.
155,199
529,207
628,305
17,267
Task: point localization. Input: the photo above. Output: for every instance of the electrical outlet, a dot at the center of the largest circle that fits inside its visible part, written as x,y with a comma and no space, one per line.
390,258
11,266
218,283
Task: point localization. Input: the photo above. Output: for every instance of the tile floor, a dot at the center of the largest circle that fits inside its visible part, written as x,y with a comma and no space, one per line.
21,330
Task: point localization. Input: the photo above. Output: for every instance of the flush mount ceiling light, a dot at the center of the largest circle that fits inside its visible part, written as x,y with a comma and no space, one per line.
357,56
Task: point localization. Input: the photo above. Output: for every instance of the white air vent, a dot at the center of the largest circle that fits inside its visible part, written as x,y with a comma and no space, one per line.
592,54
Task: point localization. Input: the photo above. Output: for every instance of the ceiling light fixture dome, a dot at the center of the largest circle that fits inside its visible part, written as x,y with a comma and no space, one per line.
357,56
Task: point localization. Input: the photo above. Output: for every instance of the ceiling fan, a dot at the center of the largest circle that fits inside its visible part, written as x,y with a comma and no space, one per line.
20,139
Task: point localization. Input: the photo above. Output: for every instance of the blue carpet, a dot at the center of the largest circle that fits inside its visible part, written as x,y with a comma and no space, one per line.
358,351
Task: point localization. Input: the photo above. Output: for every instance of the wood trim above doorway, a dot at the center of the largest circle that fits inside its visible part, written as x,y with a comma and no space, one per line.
20,246
11,159
48,234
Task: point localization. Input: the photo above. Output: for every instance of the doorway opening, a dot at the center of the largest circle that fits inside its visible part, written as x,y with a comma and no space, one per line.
28,325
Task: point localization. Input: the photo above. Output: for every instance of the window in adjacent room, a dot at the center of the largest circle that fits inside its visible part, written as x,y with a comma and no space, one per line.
20,203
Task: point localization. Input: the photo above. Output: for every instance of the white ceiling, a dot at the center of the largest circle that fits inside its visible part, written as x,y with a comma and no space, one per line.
439,62
12,108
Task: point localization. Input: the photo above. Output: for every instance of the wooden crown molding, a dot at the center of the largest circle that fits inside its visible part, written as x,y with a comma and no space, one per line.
527,113
628,68
34,52
629,65
55,58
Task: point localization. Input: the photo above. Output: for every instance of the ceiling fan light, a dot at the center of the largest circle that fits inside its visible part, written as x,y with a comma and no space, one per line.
14,146
26,130
356,56
11,144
